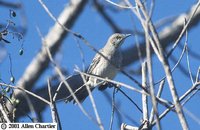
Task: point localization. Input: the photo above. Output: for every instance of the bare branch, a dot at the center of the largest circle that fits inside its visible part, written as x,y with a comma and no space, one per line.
150,75
53,113
194,87
53,40
113,109
128,127
114,82
118,5
144,97
26,91
93,103
192,14
166,67
188,64
158,95
166,36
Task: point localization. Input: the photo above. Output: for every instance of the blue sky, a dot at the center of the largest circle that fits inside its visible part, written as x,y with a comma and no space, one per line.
93,27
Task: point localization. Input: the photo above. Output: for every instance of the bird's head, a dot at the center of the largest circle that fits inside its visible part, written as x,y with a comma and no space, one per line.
117,39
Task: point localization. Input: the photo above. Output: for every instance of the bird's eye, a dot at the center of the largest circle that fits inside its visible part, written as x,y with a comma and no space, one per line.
118,38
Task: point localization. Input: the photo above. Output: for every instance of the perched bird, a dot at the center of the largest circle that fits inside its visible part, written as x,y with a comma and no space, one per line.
105,64
107,67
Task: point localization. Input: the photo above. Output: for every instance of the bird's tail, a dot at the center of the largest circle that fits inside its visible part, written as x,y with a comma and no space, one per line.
77,85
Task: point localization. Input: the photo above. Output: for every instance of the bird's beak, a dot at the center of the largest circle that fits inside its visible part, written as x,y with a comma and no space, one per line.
126,35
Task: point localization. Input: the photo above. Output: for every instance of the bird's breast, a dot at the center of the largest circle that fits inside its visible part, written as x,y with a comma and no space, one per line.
109,69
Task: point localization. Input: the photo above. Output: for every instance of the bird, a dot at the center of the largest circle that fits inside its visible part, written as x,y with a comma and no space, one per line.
108,61
105,64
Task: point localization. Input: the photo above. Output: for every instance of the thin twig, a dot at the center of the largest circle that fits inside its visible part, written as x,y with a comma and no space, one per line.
190,96
152,5
189,91
180,99
100,8
187,56
184,29
40,62
114,82
89,45
177,63
62,77
119,113
145,107
188,65
113,109
53,17
12,79
150,76
93,104
128,127
53,112
26,91
167,35
81,55
118,5
158,95
197,75
57,90
130,99
193,54
166,67
179,60
138,47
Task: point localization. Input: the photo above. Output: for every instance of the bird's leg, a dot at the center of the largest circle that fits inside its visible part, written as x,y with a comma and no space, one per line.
105,84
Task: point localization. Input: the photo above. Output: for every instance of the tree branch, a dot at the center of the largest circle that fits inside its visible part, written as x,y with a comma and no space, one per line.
168,35
53,40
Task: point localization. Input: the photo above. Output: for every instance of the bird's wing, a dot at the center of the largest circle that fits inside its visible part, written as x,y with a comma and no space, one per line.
94,63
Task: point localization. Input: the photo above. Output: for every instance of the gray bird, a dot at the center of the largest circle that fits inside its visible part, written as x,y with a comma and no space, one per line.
109,66
105,66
